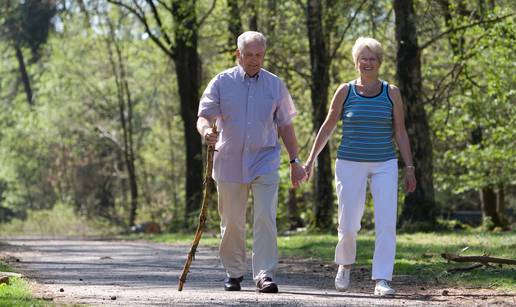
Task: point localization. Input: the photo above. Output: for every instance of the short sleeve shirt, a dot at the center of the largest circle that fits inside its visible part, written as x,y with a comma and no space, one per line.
248,112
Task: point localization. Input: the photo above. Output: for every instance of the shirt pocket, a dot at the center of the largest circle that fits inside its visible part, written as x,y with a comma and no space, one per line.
232,106
264,132
264,109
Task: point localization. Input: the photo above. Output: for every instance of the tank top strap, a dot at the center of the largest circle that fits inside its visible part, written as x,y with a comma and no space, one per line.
385,86
351,94
353,87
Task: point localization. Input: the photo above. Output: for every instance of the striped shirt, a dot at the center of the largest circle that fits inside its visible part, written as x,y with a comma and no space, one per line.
367,127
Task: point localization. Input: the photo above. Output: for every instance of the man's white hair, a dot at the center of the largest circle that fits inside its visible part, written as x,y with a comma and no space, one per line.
370,43
250,36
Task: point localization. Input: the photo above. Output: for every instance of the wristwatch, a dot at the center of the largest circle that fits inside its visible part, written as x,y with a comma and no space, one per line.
295,160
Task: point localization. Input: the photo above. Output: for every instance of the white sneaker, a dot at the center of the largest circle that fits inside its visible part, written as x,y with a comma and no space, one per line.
342,279
382,288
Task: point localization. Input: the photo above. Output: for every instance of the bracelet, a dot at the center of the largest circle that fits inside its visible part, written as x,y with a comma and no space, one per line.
410,167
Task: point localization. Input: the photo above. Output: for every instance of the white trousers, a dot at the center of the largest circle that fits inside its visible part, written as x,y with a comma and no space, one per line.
232,210
351,181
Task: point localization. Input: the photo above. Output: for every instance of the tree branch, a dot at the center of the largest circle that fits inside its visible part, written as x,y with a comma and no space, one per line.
163,4
201,21
143,19
350,22
468,268
104,134
485,260
155,13
453,30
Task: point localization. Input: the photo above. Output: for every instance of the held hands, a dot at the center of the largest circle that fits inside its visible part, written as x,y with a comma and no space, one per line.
297,174
309,169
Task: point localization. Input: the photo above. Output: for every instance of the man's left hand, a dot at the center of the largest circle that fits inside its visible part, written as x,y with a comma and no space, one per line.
297,174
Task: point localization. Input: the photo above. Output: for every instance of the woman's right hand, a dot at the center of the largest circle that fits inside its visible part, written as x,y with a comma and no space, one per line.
309,168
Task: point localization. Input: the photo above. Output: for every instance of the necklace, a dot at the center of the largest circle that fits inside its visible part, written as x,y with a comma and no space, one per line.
369,90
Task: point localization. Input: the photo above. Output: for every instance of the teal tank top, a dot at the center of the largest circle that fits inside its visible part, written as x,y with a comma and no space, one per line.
367,127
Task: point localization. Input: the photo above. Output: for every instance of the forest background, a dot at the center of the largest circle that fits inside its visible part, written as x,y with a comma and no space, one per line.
99,101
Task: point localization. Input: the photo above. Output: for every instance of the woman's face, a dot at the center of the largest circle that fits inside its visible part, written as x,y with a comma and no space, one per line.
368,63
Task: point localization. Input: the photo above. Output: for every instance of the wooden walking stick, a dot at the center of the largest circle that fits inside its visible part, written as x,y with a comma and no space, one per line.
208,181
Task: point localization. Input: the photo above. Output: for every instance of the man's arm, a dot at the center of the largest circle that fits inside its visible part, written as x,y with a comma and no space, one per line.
288,135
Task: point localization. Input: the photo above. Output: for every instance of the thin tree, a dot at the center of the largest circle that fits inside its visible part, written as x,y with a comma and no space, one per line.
125,112
324,38
419,205
178,41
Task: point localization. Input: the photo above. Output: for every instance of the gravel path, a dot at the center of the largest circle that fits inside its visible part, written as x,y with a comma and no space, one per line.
128,273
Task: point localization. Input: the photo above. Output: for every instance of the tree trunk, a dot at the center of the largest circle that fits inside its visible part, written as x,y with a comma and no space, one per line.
320,80
294,221
23,73
419,206
173,163
500,205
125,110
253,19
489,205
188,71
234,26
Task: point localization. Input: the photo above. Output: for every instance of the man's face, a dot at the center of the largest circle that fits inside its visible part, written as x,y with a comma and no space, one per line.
251,58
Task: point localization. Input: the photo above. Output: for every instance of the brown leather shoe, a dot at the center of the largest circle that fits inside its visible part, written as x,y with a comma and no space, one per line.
266,285
233,284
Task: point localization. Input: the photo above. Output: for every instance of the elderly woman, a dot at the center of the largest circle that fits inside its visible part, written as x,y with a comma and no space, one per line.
372,116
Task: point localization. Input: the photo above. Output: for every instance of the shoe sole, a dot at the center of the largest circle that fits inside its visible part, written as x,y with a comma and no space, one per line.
341,289
385,294
268,289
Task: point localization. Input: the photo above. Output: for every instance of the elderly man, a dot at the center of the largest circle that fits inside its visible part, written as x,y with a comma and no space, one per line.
251,106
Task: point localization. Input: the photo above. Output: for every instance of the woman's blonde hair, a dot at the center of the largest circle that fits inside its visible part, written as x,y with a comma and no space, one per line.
370,43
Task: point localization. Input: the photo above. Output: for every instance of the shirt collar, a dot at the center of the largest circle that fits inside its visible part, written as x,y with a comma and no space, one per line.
244,76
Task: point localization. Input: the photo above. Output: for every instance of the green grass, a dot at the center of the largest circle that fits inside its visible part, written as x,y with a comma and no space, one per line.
4,267
61,220
17,292
418,254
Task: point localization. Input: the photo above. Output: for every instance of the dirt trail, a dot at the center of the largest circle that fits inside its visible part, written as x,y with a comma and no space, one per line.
104,272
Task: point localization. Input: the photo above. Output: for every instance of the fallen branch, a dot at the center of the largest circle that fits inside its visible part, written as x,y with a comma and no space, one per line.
485,260
465,269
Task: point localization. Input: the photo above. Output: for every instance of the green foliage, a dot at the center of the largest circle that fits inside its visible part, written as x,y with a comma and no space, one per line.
67,149
475,130
61,220
27,23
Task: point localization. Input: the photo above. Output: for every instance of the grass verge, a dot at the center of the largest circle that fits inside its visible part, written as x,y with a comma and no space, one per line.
17,292
418,254
61,220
